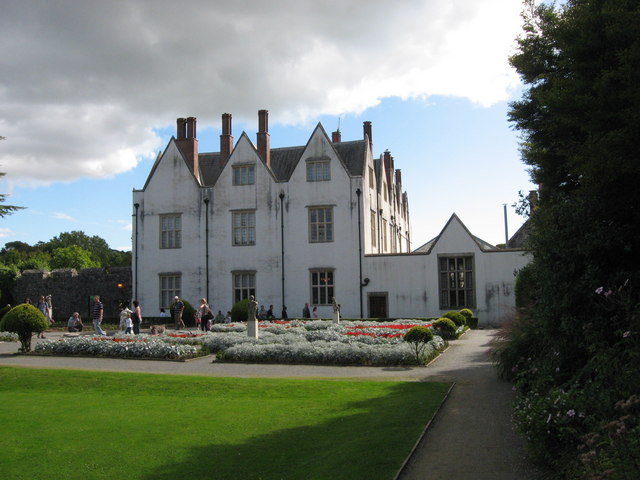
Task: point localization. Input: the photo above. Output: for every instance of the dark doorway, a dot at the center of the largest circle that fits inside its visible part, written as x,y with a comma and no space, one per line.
378,305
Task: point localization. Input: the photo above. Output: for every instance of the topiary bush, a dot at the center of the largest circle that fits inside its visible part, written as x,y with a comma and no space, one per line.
445,328
459,319
25,320
419,337
472,321
240,311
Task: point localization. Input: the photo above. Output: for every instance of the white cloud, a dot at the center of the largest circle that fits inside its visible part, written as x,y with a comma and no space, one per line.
63,216
6,232
85,83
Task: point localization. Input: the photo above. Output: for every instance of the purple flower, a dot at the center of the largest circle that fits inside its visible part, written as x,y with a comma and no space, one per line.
626,334
571,413
599,290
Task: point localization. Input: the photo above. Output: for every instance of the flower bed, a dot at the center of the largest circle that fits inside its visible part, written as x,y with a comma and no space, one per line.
322,342
8,337
295,341
121,347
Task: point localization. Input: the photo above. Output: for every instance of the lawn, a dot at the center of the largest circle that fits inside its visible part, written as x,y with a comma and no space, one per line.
93,425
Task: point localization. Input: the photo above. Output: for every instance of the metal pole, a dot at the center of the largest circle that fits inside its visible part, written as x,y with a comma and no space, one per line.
358,193
206,244
135,247
506,229
282,243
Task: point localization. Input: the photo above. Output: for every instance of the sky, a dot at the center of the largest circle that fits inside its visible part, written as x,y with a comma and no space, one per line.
90,92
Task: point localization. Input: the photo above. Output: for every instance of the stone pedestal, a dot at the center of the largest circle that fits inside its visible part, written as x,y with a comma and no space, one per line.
252,328
336,317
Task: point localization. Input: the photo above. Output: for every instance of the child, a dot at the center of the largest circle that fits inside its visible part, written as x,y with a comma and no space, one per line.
128,324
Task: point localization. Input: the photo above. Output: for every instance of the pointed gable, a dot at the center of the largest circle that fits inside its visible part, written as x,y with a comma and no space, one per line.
453,235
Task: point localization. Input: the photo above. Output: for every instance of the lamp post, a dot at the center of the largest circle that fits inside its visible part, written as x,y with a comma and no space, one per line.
282,243
358,193
206,244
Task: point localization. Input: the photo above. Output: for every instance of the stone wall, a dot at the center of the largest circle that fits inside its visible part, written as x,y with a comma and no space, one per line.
71,290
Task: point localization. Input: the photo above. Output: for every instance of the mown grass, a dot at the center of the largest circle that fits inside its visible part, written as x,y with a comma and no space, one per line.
100,425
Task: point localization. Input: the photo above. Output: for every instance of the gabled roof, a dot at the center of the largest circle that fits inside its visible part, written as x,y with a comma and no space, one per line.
482,245
285,159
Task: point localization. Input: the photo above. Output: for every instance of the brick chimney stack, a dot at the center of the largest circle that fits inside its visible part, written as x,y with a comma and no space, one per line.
226,139
388,167
264,147
188,143
336,137
181,128
366,126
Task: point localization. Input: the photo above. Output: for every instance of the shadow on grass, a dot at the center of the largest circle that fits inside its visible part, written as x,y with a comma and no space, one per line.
371,444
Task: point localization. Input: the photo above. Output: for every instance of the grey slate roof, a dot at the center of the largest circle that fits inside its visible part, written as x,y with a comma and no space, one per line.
284,161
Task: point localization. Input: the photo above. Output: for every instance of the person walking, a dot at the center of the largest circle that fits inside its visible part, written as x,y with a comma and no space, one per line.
305,311
136,317
178,308
97,312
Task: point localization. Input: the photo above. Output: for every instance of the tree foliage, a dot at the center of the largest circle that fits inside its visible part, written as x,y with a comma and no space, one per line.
579,119
6,209
72,257
67,250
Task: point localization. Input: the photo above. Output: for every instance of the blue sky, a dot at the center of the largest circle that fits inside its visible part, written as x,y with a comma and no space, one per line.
80,138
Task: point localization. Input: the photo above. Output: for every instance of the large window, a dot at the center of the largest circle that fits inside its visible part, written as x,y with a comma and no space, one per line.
244,227
322,284
244,175
456,282
318,170
371,178
171,230
320,224
244,285
170,287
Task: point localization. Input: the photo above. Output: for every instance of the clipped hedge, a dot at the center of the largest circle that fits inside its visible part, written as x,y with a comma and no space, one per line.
445,328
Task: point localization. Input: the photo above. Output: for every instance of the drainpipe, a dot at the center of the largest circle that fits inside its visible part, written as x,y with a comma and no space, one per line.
358,193
282,242
135,248
206,244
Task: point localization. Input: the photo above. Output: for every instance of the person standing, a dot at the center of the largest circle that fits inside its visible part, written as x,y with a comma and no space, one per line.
136,317
128,323
97,312
43,306
315,312
178,308
205,314
284,312
305,311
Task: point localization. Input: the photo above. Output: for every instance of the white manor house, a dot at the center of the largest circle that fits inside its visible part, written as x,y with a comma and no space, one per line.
303,224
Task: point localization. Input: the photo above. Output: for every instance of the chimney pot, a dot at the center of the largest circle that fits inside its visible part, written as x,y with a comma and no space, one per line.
191,127
336,137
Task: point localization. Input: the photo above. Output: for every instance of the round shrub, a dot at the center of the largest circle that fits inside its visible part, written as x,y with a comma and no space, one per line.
467,313
445,328
240,311
458,318
24,319
418,337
